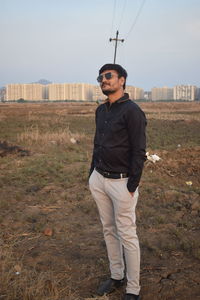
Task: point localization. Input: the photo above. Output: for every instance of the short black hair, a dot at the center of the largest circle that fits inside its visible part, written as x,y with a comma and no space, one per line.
119,69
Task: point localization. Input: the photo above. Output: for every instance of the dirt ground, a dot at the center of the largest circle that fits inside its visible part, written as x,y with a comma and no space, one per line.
51,238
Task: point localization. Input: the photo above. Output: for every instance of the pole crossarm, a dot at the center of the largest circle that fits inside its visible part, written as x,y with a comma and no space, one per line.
116,43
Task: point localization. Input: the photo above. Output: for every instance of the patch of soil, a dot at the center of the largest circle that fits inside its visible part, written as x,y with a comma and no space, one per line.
6,149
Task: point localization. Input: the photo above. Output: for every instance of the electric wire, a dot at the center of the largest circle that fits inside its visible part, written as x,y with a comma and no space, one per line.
121,18
122,14
113,16
136,18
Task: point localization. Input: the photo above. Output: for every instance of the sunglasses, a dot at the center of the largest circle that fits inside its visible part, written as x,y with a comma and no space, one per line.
107,76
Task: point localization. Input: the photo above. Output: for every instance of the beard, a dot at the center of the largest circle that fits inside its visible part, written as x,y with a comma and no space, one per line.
108,92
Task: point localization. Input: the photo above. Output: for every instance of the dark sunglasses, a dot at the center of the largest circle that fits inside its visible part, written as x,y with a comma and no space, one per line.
107,76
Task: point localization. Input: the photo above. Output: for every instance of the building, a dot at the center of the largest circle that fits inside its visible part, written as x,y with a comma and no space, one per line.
139,94
185,92
91,92
32,91
2,93
163,93
56,91
97,93
198,94
70,91
135,93
14,91
147,95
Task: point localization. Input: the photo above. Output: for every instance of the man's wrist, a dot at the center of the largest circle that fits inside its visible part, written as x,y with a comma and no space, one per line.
131,189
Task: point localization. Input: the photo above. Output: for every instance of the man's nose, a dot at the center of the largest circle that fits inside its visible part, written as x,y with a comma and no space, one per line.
104,79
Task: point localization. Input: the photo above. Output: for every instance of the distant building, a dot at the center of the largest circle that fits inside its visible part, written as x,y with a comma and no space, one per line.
185,92
147,95
14,91
135,93
97,93
30,91
198,94
2,93
91,92
70,91
33,92
138,94
56,91
163,93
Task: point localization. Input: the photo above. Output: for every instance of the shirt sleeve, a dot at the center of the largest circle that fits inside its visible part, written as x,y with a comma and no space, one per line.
92,166
136,126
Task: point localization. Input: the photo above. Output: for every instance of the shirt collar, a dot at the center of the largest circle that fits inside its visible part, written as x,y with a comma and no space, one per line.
124,98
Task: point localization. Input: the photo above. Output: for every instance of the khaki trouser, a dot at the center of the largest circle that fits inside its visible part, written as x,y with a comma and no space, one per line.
117,213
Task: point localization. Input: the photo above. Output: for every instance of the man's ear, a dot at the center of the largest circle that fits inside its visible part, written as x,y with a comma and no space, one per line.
122,81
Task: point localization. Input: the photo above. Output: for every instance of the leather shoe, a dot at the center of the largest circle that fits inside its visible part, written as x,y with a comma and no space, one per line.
109,286
131,297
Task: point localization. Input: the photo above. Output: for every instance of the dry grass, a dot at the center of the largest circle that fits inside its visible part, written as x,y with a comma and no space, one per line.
19,281
62,136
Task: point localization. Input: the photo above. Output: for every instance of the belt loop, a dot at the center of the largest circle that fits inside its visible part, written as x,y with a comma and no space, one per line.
121,175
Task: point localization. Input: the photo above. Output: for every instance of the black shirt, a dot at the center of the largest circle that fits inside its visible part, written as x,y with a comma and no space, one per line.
120,141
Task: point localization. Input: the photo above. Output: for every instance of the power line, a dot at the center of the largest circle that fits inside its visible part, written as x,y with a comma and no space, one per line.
117,33
113,16
131,28
136,18
122,14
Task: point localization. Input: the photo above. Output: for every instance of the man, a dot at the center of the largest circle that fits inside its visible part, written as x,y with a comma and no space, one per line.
116,168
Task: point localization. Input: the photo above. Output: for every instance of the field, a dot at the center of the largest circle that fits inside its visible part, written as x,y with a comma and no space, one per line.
51,238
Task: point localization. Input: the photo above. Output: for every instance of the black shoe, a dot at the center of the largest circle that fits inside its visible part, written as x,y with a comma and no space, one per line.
131,297
109,286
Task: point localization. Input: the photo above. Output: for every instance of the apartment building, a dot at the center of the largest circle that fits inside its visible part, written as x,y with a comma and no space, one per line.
91,92
56,91
14,91
32,91
163,93
70,91
135,93
198,94
85,92
185,92
97,93
139,93
2,93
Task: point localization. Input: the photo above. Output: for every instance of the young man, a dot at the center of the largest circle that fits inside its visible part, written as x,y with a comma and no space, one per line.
118,159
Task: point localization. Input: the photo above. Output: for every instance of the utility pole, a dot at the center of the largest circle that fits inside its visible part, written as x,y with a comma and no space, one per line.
116,40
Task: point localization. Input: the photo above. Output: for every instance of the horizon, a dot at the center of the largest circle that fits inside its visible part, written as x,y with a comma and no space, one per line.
52,82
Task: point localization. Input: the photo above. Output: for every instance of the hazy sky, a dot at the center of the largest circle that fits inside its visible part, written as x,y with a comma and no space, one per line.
68,41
